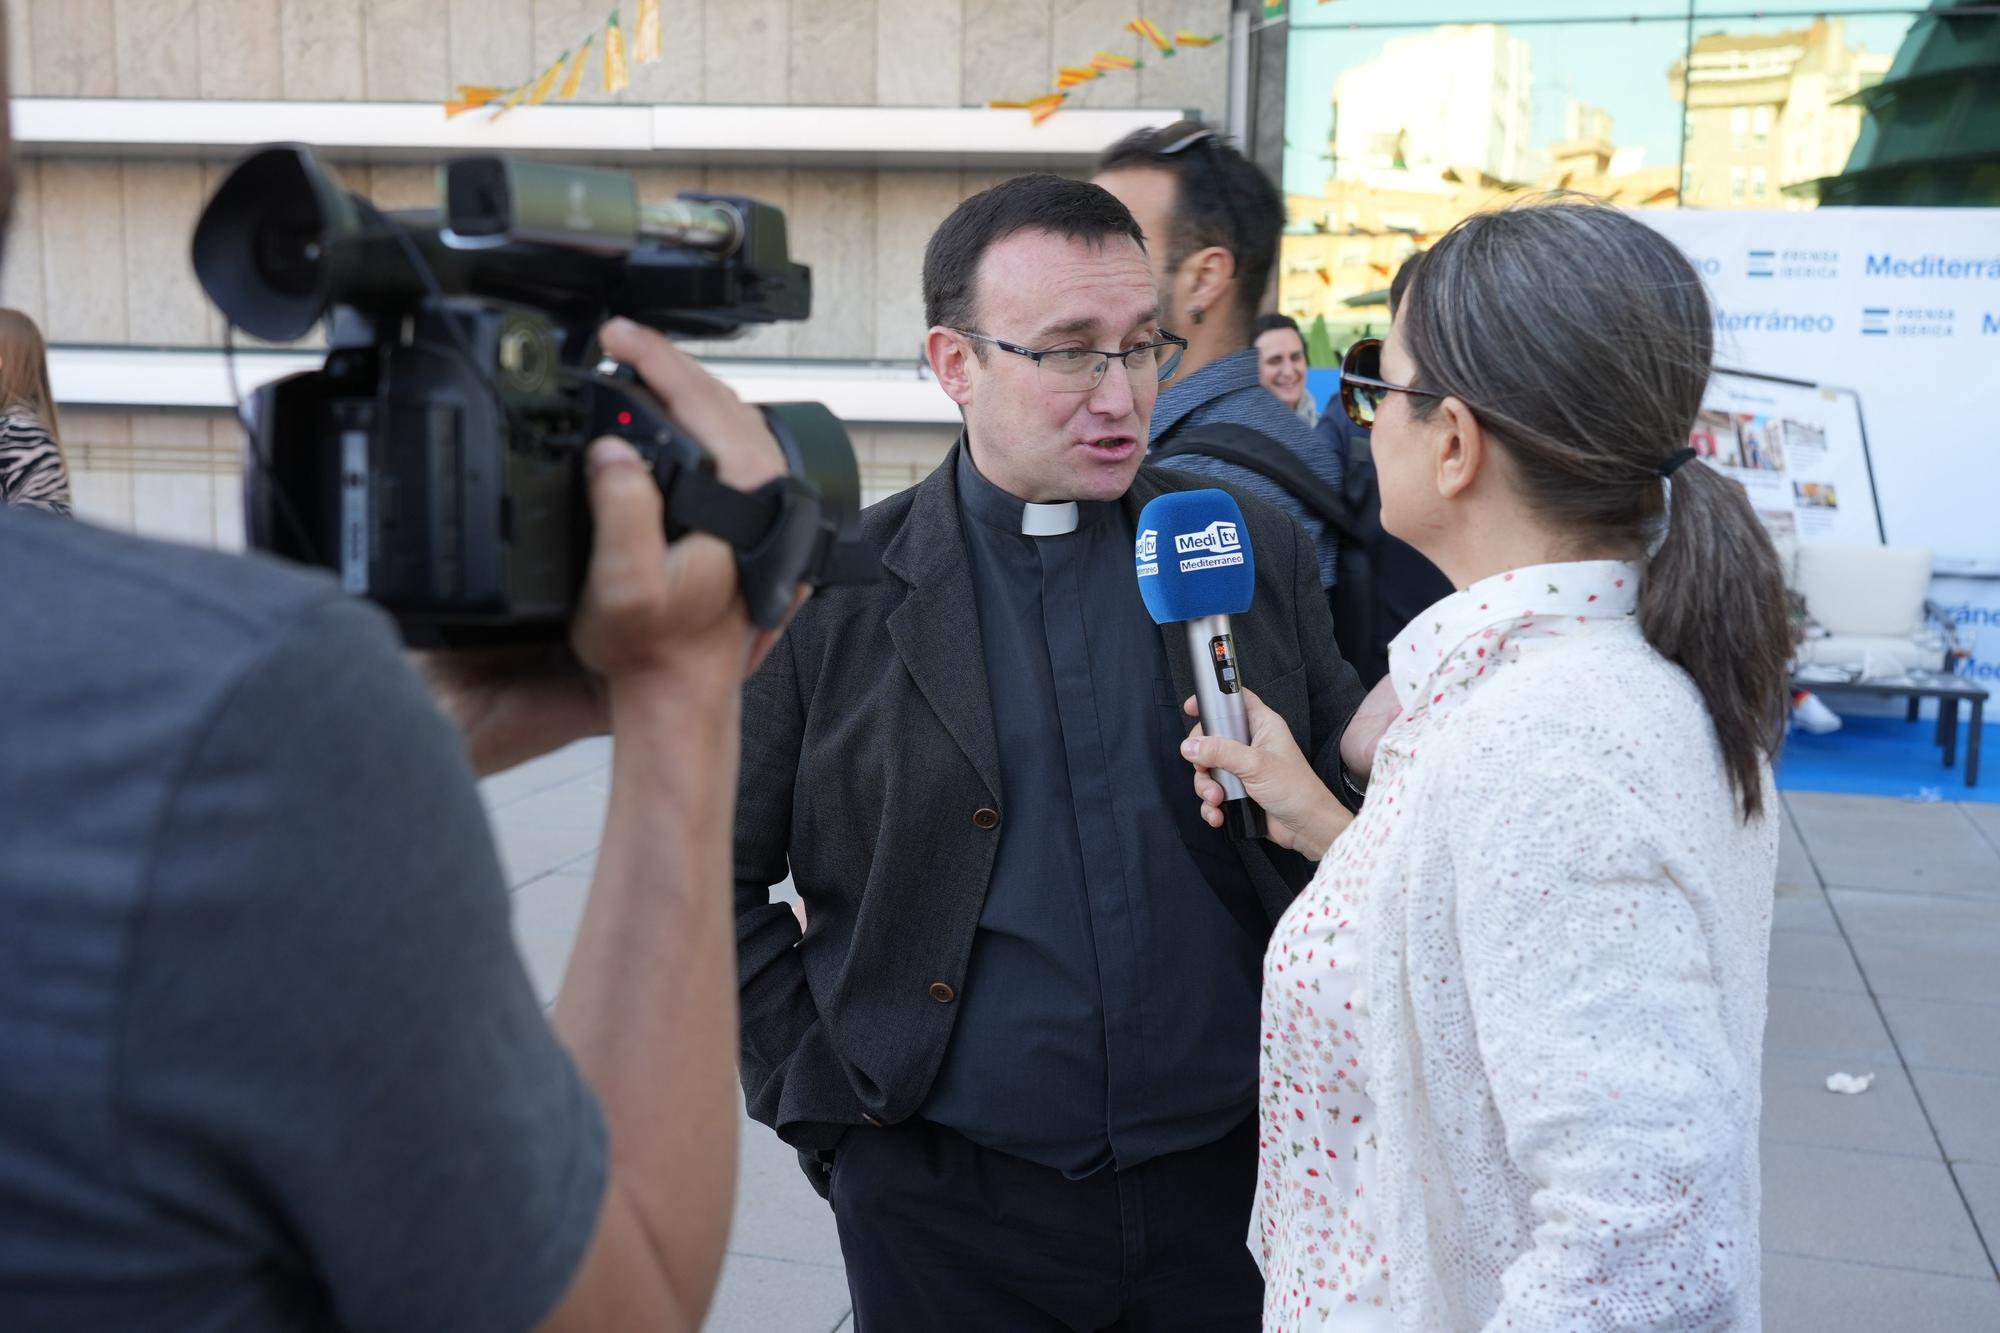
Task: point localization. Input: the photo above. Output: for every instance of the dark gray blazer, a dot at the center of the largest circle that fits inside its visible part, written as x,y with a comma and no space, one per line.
871,772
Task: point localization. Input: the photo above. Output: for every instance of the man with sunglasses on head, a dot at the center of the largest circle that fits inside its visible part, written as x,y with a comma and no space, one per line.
1213,220
1016,1042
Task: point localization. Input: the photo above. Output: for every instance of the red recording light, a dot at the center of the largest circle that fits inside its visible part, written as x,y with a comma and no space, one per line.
624,418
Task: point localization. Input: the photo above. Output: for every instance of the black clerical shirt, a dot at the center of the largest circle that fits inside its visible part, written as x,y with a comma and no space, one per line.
1110,1009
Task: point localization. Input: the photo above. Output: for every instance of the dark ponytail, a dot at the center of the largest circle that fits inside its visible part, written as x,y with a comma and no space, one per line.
1713,602
1583,339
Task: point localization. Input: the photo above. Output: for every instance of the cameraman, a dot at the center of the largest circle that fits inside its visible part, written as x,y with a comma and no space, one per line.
271,1060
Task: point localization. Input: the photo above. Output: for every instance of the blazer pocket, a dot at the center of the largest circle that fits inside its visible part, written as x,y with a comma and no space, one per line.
1286,695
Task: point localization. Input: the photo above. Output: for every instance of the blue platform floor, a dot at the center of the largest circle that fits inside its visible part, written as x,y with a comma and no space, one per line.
1887,756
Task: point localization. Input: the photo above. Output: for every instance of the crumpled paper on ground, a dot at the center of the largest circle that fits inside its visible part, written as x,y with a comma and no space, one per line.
1848,1083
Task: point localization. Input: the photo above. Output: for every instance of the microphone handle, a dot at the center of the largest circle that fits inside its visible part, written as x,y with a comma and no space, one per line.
1218,691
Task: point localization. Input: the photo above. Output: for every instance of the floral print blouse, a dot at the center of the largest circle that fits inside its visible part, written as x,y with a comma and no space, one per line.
1341,1159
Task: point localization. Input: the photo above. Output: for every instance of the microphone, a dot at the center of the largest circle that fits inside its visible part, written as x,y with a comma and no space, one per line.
1195,568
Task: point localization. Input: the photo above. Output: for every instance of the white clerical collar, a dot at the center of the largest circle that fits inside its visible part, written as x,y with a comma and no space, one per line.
1048,520
981,499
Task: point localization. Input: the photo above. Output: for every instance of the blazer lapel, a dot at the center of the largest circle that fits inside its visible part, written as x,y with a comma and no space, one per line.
936,629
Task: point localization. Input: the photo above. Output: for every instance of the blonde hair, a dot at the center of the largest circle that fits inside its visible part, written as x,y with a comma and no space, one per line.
24,371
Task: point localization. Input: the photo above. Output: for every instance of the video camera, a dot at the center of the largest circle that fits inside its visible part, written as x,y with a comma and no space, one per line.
435,462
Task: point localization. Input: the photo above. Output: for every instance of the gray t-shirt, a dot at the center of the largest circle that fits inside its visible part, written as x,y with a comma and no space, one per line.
268,1058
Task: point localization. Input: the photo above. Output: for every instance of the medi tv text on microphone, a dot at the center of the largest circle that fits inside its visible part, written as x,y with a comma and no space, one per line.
1195,567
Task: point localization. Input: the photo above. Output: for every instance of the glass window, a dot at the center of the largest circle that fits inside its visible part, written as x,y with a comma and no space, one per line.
1402,116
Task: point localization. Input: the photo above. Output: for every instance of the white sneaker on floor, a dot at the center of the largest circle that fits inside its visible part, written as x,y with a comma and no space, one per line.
1809,714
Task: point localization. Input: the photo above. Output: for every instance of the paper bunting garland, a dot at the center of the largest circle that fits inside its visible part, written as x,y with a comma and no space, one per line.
547,83
1041,108
1103,63
574,79
471,97
563,79
1150,30
617,76
647,43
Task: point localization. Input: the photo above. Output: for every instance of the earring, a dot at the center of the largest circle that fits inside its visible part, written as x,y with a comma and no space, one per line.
1194,313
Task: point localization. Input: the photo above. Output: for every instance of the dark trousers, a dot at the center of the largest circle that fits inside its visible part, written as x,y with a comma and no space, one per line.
941,1235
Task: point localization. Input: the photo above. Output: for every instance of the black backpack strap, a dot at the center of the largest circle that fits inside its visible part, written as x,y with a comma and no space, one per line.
1261,454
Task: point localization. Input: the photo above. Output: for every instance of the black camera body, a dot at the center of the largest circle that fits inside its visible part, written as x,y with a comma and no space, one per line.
435,462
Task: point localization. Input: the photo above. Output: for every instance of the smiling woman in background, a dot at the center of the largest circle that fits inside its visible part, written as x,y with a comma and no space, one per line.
1281,364
31,461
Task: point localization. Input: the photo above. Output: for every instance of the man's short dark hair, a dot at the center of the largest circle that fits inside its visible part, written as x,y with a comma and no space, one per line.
1265,323
1220,198
1072,209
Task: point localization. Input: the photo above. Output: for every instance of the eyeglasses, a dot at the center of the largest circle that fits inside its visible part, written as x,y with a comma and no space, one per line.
1362,388
1182,135
1079,369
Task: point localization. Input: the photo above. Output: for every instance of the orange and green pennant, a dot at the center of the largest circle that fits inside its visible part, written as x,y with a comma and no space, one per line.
547,83
647,45
617,74
471,97
1150,30
1069,76
1186,38
573,81
513,99
1041,108
1105,60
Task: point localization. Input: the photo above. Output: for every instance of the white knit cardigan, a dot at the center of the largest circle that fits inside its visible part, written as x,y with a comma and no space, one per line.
1567,955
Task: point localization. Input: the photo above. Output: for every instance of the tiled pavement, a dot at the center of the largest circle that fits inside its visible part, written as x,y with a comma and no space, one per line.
1881,1211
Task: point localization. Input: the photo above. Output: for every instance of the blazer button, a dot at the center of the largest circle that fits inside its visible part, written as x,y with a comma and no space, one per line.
986,817
942,993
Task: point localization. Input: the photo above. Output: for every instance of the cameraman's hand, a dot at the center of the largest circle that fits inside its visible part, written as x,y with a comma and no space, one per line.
514,704
653,614
669,616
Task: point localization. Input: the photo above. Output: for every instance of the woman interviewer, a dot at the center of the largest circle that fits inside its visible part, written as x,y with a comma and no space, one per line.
1512,1030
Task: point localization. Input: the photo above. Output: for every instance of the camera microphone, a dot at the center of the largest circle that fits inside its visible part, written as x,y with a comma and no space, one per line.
1195,567
495,201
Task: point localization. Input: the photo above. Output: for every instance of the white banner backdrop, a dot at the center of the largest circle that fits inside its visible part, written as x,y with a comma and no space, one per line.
1902,306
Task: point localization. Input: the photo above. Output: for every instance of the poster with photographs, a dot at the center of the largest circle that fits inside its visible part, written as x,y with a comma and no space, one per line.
1799,452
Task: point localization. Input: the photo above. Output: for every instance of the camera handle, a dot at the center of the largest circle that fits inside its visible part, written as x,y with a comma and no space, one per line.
775,531
783,533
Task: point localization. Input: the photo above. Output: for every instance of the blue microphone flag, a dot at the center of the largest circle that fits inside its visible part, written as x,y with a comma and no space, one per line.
1193,556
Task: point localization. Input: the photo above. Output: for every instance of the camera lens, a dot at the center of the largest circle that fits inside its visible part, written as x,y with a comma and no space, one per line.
526,359
287,256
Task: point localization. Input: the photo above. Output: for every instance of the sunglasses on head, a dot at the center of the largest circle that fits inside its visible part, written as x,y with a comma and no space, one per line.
1362,388
1182,135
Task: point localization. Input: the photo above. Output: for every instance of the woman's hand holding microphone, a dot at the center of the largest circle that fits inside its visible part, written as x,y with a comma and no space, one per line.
1302,813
